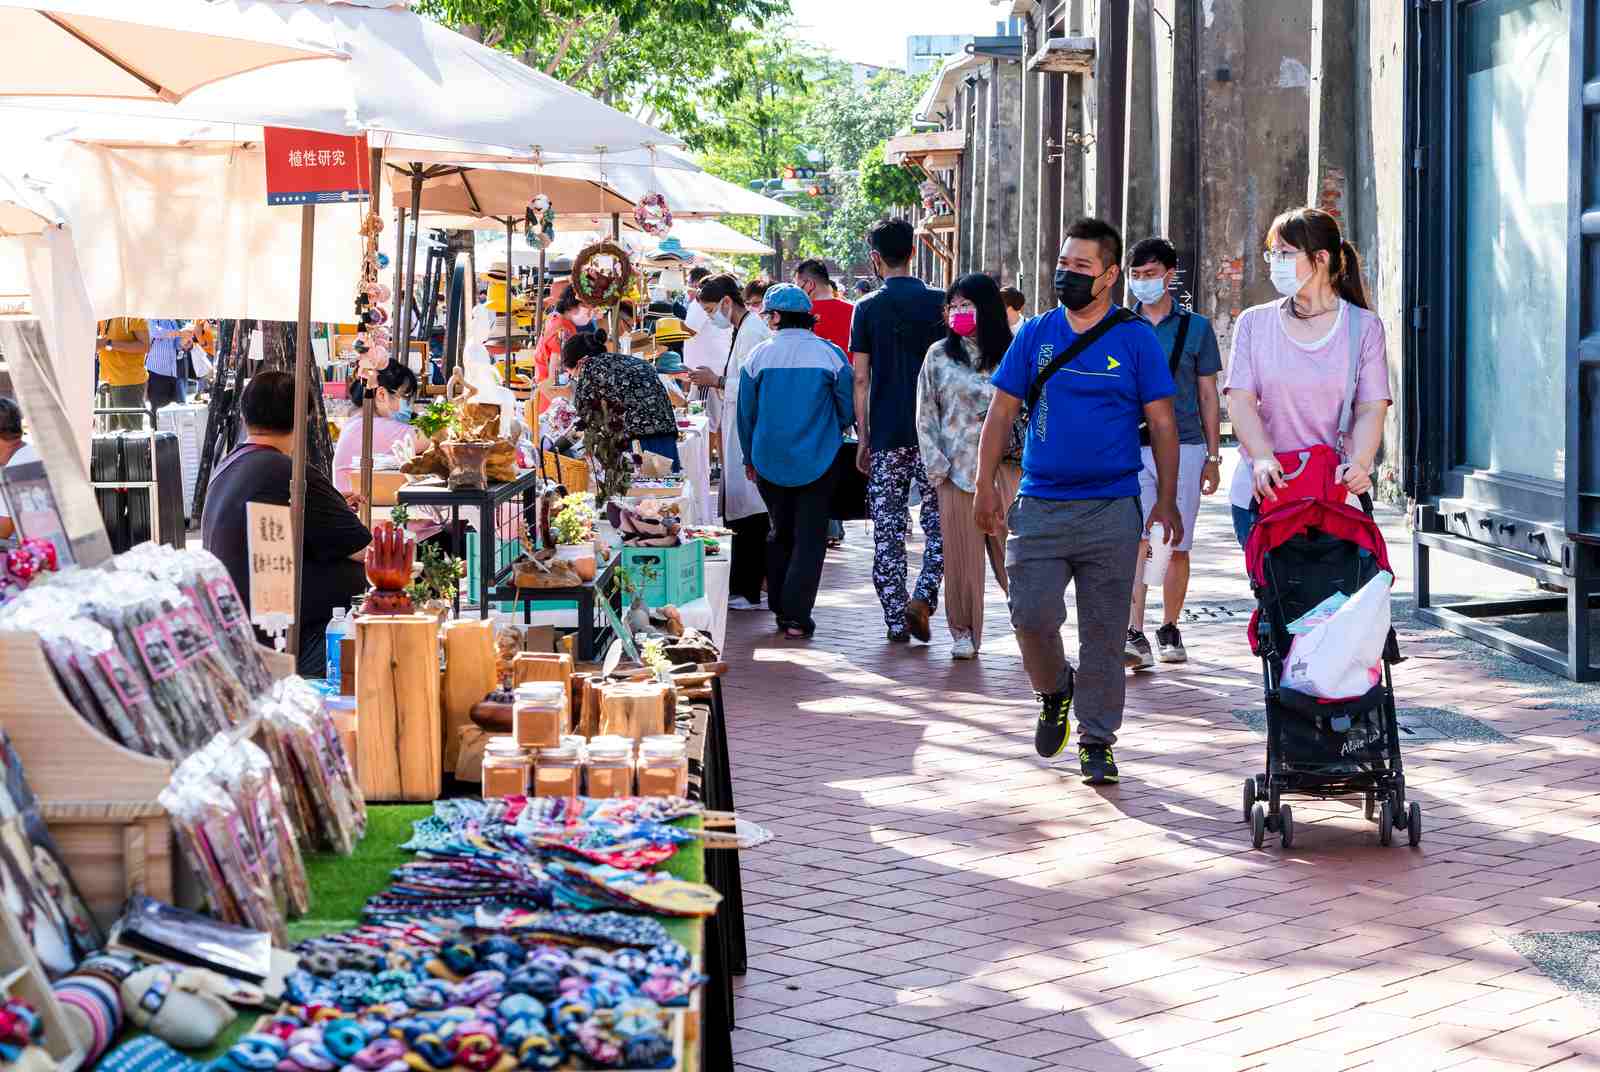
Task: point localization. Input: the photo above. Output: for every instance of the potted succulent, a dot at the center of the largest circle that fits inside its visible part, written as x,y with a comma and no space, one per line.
573,529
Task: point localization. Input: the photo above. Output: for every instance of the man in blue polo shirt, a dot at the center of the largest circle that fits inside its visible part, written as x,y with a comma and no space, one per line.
1077,518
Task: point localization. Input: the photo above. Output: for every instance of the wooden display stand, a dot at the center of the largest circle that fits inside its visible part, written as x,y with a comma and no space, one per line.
634,709
541,666
98,798
22,976
469,676
399,743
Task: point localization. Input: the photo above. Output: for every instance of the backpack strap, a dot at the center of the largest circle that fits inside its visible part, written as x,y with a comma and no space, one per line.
1119,315
1347,412
1175,358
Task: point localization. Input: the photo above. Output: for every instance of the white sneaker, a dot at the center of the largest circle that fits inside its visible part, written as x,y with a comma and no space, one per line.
741,603
963,648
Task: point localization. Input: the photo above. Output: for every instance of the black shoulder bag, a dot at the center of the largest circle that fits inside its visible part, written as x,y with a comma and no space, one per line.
1174,359
1066,357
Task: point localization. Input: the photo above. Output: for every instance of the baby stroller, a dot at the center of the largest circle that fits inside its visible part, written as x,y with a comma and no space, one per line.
1306,546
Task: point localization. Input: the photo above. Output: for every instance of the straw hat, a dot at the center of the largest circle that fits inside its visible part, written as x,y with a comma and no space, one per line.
670,329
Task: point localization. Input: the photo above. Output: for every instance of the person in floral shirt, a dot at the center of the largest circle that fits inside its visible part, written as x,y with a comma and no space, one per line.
624,383
953,394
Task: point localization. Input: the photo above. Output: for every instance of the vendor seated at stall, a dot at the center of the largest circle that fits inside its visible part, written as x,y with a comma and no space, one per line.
14,449
624,383
259,471
397,387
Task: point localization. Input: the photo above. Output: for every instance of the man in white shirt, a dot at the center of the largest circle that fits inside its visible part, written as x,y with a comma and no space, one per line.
13,449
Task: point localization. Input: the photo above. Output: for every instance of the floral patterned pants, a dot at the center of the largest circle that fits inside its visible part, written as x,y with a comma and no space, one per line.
888,498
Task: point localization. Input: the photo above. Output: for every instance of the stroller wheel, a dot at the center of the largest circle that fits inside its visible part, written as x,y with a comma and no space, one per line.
1397,808
1258,825
1286,826
1414,824
1385,824
1249,797
1371,809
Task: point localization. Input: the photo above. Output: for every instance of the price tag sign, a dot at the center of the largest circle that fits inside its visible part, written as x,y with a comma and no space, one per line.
271,546
305,167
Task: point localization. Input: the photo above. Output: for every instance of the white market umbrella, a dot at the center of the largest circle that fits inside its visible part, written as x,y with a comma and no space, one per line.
714,236
409,76
690,191
139,50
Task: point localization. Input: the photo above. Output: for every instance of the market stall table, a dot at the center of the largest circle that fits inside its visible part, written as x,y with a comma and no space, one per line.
492,573
591,639
694,455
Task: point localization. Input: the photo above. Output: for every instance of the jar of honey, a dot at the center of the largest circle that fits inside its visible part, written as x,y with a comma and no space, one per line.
507,768
663,766
610,767
556,772
539,714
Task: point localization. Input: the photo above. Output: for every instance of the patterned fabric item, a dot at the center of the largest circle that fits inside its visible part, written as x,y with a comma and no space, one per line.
888,495
146,1053
629,384
952,401
97,1003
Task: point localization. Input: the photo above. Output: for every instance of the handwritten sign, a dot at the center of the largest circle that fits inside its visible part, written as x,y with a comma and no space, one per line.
305,167
271,545
33,507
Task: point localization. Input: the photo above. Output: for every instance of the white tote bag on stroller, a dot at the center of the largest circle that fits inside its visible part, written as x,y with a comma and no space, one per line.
1339,658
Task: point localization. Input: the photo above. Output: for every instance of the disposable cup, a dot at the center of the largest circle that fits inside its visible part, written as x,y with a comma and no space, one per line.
1159,555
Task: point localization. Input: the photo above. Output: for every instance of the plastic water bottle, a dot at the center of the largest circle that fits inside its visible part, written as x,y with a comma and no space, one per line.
338,628
1160,553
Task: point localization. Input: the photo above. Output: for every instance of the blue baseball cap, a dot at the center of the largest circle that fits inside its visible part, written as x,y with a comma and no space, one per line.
785,298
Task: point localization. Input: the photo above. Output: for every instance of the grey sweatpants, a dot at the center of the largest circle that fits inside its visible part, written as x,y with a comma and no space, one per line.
1093,543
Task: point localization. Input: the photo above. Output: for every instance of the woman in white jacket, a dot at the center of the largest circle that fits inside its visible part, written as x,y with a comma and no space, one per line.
743,510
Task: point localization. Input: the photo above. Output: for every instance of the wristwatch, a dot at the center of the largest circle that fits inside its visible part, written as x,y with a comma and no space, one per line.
1214,458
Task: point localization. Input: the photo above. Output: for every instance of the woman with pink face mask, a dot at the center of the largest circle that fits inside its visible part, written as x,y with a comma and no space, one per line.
953,395
568,318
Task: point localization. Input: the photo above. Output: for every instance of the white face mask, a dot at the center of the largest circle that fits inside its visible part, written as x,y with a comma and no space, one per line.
1147,291
720,319
1286,279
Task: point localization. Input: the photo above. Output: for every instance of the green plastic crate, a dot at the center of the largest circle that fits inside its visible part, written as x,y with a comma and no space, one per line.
676,575
509,549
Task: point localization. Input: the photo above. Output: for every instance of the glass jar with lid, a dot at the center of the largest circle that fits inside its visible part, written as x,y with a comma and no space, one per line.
556,771
507,768
663,766
539,714
610,767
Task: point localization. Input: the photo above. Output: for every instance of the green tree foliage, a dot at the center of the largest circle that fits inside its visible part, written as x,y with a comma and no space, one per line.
647,57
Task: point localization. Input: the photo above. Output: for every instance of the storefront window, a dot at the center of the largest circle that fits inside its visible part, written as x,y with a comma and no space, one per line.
1514,239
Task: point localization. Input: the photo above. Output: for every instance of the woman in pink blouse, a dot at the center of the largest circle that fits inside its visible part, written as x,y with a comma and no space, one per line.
1289,374
397,387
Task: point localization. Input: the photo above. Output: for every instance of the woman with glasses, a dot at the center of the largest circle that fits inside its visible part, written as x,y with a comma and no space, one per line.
1289,378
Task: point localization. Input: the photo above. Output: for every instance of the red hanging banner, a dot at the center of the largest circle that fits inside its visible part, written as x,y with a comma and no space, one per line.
305,167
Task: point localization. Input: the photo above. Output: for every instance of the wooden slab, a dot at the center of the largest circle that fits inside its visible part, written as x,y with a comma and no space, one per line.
469,676
400,753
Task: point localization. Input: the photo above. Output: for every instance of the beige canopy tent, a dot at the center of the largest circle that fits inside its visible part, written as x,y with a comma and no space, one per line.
149,50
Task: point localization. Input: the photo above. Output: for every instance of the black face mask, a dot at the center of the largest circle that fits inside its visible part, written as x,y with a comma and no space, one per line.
1074,289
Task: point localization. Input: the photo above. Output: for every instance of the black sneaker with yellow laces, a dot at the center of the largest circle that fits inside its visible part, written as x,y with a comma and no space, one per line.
1055,724
1098,765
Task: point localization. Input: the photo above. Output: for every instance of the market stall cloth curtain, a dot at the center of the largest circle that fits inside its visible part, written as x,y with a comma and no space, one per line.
186,232
27,346
67,322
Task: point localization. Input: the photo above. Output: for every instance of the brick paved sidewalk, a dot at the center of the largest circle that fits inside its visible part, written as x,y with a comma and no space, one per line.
940,898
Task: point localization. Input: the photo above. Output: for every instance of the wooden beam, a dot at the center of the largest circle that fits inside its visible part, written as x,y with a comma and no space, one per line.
940,250
1065,55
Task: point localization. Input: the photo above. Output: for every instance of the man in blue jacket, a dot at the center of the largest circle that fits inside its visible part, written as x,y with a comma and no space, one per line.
1077,517
795,402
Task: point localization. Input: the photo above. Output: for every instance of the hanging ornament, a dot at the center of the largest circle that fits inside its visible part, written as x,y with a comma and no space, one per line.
652,215
372,353
541,222
602,274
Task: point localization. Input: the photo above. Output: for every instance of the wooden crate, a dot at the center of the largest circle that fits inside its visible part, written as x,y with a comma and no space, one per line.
98,798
